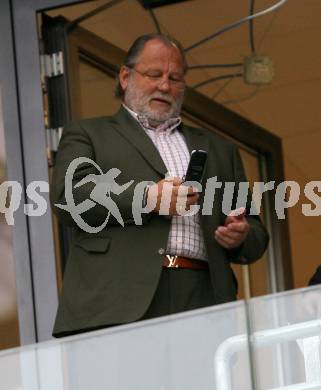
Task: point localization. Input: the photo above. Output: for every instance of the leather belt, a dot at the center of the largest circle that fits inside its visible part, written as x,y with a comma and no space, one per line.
183,262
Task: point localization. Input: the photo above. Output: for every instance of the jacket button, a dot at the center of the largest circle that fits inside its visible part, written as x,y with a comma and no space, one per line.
161,251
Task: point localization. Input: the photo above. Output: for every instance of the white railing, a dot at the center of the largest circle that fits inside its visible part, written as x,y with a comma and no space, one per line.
308,336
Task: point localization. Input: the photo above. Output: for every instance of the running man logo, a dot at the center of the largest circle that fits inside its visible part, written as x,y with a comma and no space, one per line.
101,194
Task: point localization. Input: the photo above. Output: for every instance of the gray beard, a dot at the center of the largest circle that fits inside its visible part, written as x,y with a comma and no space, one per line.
139,103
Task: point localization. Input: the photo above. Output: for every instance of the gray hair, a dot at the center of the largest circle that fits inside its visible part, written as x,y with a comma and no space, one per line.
137,47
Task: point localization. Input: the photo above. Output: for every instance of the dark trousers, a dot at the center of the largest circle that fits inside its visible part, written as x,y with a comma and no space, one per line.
180,290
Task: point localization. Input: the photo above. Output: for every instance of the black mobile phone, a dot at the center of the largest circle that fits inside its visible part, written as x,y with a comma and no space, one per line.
195,169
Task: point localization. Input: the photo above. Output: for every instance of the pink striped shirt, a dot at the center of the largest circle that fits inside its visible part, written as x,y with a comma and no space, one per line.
186,235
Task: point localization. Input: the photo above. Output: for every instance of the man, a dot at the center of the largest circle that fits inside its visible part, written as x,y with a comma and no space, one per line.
169,263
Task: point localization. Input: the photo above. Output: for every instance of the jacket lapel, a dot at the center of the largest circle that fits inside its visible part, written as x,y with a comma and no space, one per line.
135,134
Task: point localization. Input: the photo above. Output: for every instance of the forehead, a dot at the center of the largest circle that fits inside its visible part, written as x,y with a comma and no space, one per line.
156,53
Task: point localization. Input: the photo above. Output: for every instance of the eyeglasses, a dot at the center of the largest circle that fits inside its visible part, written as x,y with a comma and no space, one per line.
174,80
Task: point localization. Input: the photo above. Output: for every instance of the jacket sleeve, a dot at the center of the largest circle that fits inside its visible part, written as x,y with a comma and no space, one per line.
316,278
257,239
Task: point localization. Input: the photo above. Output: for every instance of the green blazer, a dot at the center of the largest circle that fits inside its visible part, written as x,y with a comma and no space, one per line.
111,276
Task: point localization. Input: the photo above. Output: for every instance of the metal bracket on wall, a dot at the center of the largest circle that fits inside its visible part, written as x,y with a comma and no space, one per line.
53,137
52,65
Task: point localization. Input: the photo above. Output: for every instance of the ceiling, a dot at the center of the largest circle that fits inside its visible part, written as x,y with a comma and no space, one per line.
291,36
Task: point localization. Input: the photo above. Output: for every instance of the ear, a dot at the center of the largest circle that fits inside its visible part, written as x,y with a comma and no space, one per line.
123,77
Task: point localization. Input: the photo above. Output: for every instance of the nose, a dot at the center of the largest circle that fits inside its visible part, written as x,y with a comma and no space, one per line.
164,84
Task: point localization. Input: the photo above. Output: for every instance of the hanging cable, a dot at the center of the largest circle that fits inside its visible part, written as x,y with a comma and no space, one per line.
221,89
231,26
236,65
216,78
267,30
92,13
251,27
155,20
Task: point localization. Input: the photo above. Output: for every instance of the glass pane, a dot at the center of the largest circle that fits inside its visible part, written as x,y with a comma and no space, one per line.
258,272
9,330
286,339
204,349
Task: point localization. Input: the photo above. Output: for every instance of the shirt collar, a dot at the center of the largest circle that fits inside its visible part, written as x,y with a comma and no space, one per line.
168,126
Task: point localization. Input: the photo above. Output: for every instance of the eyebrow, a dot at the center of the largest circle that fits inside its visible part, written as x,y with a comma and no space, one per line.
160,71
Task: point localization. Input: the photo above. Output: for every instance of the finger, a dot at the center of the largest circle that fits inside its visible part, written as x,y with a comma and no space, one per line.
240,227
229,220
238,213
223,232
183,206
183,197
193,199
225,237
182,190
192,190
235,216
222,241
176,181
231,238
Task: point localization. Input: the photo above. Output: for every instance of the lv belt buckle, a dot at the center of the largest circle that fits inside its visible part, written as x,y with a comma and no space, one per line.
171,260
